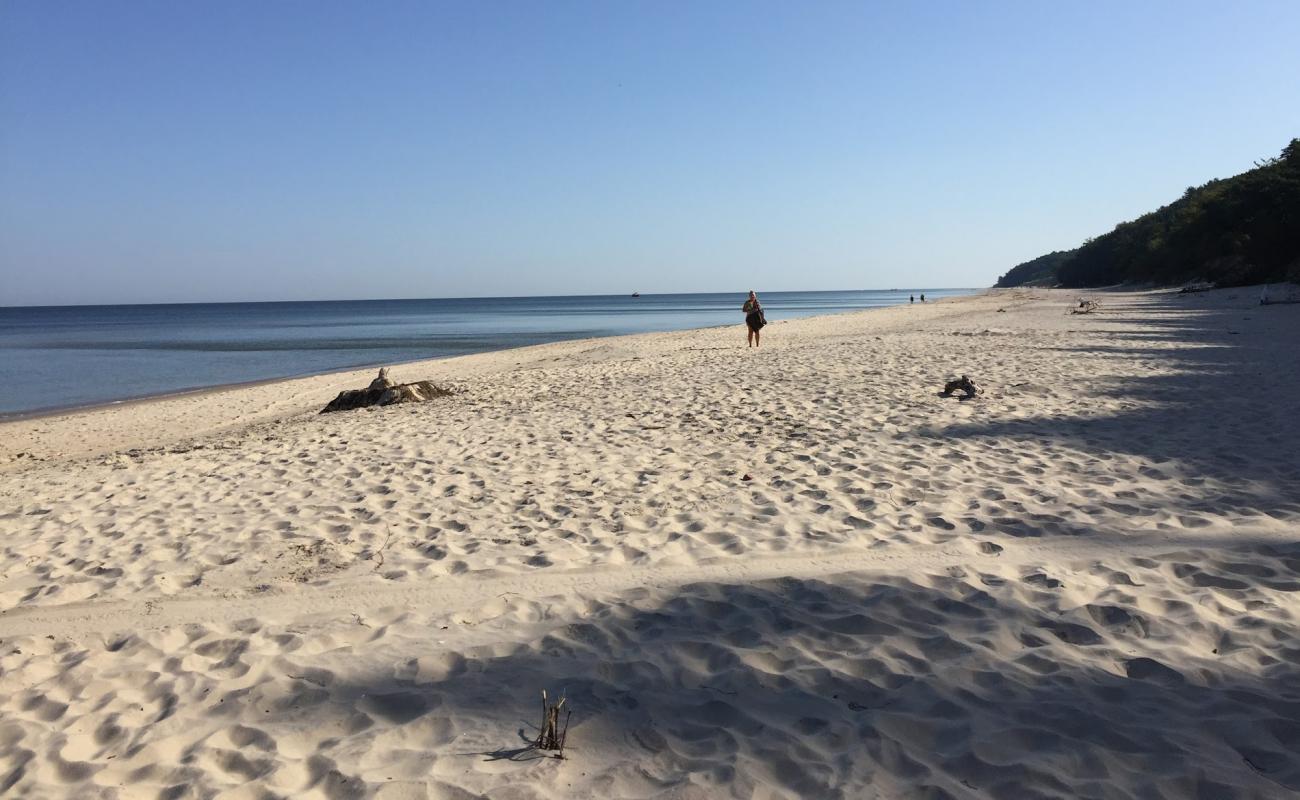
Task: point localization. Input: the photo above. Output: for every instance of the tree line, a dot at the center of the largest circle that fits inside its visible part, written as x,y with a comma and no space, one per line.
1229,232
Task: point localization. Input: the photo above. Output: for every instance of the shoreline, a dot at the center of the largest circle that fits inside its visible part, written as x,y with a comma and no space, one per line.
10,416
43,413
9,456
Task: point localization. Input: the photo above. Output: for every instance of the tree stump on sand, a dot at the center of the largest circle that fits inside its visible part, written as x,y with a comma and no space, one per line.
384,392
382,382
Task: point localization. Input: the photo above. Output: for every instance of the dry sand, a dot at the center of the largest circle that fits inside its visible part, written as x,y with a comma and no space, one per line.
1085,583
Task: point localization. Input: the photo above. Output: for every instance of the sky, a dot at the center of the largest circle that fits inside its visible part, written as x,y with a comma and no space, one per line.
233,151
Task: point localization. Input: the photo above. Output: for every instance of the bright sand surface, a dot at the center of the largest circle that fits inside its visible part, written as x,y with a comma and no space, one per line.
1085,583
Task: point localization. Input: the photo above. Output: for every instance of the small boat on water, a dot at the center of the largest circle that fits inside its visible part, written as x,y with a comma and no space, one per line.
636,294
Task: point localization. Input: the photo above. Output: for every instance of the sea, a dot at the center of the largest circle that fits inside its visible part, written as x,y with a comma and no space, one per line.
62,357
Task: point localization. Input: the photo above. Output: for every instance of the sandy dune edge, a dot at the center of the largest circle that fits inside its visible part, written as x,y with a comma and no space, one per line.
1085,584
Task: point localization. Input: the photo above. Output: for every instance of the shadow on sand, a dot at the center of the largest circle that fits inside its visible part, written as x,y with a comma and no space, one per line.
1173,675
1224,424
969,684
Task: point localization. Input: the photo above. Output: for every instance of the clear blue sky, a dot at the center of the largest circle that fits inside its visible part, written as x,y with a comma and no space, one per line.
178,151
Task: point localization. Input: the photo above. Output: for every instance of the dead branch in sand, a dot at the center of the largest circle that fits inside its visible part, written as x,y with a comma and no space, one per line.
1086,307
378,555
552,736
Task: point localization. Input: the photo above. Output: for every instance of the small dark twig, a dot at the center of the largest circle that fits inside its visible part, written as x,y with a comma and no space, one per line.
379,554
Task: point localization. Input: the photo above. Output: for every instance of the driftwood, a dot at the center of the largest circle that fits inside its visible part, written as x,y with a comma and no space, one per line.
1197,288
384,392
552,736
1085,307
962,384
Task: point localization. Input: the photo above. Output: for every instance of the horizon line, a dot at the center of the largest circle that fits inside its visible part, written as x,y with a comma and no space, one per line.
469,297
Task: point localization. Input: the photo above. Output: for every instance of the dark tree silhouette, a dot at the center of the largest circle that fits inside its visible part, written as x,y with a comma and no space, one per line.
1230,232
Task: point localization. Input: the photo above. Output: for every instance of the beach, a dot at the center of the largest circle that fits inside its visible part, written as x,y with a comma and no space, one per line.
795,571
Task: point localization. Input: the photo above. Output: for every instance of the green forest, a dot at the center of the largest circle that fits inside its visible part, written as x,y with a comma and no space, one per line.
1230,232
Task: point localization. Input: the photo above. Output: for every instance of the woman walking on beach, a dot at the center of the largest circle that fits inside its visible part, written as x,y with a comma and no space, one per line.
754,319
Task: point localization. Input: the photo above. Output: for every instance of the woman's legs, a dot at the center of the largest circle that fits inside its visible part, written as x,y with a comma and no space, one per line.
758,336
750,337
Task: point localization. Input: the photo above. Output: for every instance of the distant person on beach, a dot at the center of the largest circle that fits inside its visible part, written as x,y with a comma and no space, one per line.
923,298
754,319
911,298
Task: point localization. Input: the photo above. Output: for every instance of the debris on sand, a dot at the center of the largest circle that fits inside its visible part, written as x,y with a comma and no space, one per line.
384,392
962,384
1288,295
552,736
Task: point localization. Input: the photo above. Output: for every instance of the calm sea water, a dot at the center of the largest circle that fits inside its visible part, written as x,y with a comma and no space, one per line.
67,356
